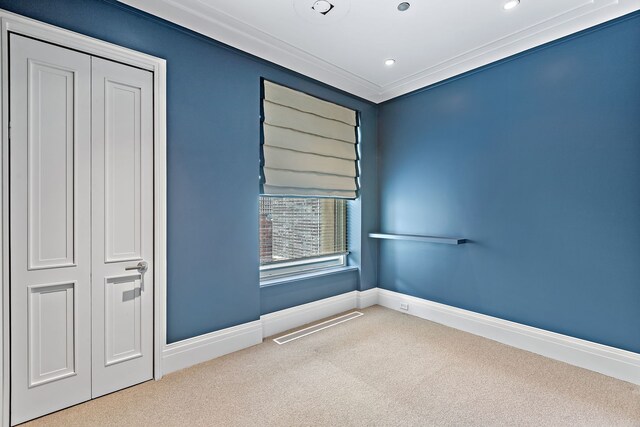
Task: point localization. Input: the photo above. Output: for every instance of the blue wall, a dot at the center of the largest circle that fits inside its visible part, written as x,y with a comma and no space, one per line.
212,159
302,291
537,161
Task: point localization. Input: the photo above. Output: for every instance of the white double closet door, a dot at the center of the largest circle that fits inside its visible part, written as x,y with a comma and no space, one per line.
81,227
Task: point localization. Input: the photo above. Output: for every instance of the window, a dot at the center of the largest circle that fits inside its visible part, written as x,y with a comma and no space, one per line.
301,234
308,170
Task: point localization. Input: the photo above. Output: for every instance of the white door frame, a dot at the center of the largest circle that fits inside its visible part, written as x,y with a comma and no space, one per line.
12,23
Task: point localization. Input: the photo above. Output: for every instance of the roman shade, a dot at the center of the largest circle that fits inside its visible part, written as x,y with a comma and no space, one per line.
308,146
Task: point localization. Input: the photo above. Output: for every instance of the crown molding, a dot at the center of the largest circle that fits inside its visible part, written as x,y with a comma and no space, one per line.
207,20
589,14
212,23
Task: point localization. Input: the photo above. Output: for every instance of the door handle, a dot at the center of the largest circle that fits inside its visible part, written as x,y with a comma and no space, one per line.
141,267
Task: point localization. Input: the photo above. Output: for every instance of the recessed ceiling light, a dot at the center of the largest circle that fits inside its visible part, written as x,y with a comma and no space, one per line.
511,4
404,6
389,62
322,6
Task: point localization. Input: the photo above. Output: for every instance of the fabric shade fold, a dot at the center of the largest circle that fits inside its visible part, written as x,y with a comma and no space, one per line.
309,146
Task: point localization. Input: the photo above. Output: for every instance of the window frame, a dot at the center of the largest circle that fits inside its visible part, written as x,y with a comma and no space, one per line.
323,263
309,265
302,266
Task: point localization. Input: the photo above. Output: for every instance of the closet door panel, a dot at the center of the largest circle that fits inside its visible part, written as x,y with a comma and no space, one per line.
50,229
122,170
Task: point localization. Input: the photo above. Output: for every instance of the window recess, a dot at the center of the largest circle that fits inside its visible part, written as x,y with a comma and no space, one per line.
308,170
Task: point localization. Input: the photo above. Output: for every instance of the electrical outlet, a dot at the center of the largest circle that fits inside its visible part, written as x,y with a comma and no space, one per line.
404,306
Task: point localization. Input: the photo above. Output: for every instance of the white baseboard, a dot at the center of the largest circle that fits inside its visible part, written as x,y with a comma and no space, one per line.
192,351
199,349
367,298
621,364
283,320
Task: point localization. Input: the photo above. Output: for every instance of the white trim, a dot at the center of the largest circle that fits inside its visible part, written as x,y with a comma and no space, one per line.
614,362
211,22
590,14
32,28
284,269
4,248
308,275
621,364
283,320
160,216
205,20
192,351
367,298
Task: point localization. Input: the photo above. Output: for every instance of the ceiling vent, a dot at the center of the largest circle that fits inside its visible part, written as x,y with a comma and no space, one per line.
322,7
322,11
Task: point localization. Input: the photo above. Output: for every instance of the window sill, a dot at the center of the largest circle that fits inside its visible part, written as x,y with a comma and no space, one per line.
303,276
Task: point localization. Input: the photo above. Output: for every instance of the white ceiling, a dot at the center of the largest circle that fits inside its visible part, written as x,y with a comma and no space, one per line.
432,41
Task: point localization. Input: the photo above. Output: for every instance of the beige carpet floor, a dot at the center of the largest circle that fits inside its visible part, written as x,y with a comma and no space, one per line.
382,369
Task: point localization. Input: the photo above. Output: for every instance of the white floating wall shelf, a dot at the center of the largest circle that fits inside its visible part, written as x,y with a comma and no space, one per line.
425,239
